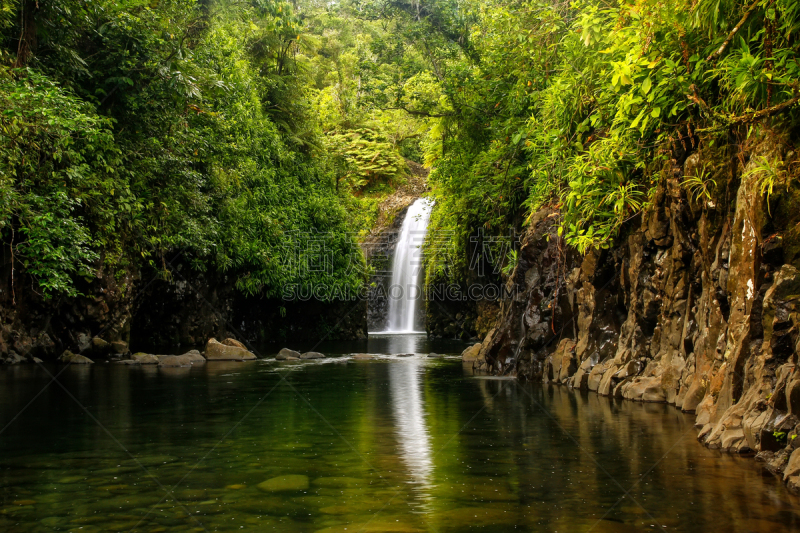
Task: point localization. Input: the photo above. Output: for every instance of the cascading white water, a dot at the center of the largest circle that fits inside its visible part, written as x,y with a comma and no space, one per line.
405,291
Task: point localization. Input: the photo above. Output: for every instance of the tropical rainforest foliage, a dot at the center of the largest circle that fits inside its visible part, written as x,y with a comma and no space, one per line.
226,132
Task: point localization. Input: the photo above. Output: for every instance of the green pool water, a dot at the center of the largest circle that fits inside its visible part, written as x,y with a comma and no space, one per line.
395,444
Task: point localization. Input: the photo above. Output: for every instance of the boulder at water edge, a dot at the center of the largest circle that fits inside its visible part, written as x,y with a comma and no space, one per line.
144,358
233,342
174,360
119,347
471,354
11,358
74,359
99,348
216,351
284,484
195,356
312,355
287,354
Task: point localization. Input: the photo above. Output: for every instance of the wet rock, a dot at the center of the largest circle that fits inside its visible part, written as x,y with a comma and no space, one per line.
792,466
195,356
233,342
286,353
74,359
100,347
774,462
285,484
732,440
471,354
175,361
312,355
11,358
144,358
644,390
119,348
84,342
566,359
581,378
216,351
596,375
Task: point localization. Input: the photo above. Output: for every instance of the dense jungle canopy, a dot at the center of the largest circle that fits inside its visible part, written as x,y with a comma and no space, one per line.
235,133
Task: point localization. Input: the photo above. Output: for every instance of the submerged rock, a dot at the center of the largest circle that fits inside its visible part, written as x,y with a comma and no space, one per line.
312,355
216,351
339,482
286,354
284,484
74,359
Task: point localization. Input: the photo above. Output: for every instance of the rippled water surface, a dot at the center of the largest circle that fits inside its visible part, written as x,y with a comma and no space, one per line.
394,444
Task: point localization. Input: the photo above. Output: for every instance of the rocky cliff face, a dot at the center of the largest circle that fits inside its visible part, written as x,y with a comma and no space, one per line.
696,305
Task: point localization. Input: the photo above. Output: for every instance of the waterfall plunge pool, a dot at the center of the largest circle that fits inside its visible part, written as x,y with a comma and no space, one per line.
398,444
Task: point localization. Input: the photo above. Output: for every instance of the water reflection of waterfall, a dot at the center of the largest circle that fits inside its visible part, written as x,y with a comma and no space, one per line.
405,290
412,432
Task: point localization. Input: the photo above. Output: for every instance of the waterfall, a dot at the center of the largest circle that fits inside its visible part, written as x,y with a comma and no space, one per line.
405,291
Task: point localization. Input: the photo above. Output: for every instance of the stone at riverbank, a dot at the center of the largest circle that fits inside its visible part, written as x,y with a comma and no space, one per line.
312,355
74,359
175,360
188,359
287,354
11,358
144,358
233,342
119,348
195,356
471,354
217,351
100,347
